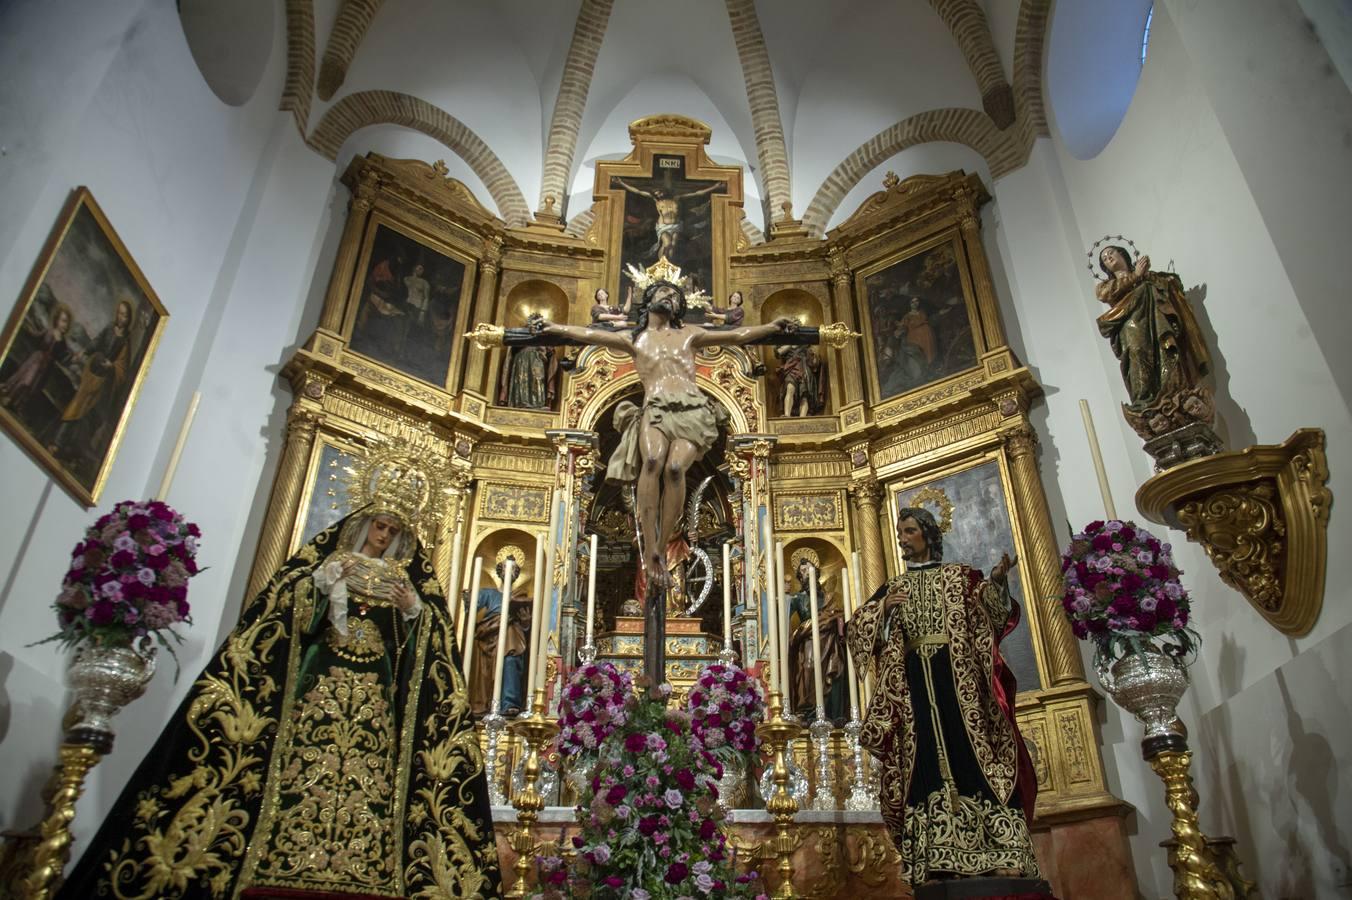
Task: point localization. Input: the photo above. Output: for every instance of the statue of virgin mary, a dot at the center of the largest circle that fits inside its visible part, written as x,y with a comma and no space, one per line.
326,750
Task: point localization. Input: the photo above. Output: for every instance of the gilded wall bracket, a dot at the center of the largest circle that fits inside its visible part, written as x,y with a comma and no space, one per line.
1262,516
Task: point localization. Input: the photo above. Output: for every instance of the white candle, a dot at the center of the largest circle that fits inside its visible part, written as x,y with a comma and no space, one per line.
1108,506
454,610
856,574
169,471
591,591
727,595
504,613
474,582
547,616
845,598
782,610
818,683
771,627
536,602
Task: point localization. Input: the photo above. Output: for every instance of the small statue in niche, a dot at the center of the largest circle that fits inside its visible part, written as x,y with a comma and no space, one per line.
802,380
530,378
1163,358
603,315
731,315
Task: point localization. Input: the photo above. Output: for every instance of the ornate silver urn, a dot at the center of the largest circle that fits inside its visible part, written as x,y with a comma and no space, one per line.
1148,685
732,786
105,679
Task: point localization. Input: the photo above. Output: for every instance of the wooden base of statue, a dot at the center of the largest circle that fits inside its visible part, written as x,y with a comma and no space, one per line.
986,889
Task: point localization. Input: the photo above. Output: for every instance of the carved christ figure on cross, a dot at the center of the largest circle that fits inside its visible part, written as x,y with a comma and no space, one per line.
671,432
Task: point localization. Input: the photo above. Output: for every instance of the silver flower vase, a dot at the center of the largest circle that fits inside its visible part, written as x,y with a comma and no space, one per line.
1149,685
105,679
732,786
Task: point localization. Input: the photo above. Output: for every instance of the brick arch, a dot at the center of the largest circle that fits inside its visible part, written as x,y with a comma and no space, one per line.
357,111
771,151
967,22
960,126
353,19
566,120
299,88
1030,41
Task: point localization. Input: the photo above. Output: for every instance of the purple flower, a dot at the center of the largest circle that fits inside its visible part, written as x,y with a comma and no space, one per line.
145,576
704,883
601,854
676,873
673,798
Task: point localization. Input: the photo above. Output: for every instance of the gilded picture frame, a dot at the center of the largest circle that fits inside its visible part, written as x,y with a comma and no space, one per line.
947,338
323,499
985,523
383,322
76,349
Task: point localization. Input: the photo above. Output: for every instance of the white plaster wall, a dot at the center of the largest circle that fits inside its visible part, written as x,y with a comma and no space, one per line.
224,209
1170,180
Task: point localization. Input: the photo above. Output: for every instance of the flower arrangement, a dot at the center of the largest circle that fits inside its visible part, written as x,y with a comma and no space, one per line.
1122,591
128,578
594,703
651,829
725,704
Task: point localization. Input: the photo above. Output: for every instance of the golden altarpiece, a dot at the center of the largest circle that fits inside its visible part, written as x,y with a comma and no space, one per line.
929,408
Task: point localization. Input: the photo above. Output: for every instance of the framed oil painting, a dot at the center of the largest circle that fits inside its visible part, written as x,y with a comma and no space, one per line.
920,319
667,214
972,507
409,299
76,348
325,498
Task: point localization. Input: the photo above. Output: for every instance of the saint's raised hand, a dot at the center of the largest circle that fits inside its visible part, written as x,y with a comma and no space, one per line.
1001,571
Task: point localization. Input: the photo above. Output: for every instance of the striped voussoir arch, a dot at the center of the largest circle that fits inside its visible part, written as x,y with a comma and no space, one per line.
299,88
966,20
357,111
771,150
971,127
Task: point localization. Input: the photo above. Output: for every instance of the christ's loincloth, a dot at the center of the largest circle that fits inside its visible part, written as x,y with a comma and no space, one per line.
683,415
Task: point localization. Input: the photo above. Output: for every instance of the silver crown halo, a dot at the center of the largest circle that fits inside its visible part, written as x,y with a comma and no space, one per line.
1097,247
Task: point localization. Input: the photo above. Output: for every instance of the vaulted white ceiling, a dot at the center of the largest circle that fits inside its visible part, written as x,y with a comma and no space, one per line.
521,97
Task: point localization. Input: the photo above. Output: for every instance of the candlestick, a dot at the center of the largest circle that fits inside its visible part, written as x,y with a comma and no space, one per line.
818,682
504,614
178,447
851,675
782,608
475,581
1108,506
856,570
542,639
771,619
536,599
591,592
453,610
727,596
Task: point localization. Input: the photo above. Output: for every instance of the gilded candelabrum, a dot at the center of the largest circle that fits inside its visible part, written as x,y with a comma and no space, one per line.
535,730
1149,685
103,681
777,731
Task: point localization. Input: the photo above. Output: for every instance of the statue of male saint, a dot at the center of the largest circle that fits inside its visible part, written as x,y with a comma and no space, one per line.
958,786
674,429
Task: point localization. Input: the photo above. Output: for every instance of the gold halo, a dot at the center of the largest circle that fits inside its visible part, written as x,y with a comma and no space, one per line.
937,497
408,477
801,554
517,554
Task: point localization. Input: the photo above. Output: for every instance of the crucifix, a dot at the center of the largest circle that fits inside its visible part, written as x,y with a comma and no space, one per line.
674,428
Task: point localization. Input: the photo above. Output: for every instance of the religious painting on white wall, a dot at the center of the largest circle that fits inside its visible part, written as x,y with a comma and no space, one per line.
407,314
76,348
919,319
669,215
972,507
326,498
